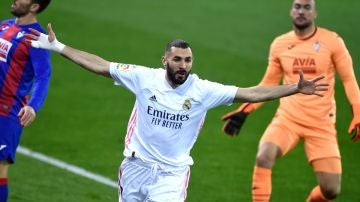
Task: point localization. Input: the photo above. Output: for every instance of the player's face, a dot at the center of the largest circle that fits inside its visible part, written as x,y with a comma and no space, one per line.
303,13
178,63
20,8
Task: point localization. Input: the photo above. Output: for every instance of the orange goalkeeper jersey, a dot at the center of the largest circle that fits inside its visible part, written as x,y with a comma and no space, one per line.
321,53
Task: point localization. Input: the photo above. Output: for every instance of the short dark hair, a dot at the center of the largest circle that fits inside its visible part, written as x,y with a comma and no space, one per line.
42,4
178,43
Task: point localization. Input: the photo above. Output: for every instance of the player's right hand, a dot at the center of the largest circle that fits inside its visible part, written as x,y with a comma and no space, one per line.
44,41
27,115
235,119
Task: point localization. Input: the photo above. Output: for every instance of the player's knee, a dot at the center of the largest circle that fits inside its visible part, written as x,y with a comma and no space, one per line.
265,160
267,155
331,192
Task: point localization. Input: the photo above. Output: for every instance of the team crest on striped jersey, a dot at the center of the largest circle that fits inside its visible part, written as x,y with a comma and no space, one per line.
187,105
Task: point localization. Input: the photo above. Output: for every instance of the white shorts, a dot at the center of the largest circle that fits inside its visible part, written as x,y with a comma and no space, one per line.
150,182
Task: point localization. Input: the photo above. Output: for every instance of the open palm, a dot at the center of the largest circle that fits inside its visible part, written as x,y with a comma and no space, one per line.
311,87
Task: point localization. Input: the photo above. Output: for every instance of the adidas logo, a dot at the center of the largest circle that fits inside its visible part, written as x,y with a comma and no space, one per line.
153,98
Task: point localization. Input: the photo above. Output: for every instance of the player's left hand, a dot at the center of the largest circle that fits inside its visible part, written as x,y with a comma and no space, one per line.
311,87
354,128
27,115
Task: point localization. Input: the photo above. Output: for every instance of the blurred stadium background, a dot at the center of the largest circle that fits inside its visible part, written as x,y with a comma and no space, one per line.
84,119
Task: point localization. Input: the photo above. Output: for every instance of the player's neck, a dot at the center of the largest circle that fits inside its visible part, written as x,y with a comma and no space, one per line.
172,84
27,19
305,33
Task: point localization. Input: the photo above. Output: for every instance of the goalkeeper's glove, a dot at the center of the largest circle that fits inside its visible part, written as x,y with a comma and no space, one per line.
354,128
235,119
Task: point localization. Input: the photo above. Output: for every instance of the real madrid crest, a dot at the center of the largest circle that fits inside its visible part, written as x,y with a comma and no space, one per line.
187,104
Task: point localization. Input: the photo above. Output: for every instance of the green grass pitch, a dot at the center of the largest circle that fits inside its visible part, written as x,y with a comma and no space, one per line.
84,118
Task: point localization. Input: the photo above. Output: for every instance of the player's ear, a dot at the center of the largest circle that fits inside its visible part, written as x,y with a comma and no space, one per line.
315,14
163,61
35,7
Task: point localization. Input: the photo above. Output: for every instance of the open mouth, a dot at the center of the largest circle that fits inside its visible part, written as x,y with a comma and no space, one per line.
181,72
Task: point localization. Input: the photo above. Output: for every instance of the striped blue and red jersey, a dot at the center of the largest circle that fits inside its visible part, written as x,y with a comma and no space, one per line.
24,71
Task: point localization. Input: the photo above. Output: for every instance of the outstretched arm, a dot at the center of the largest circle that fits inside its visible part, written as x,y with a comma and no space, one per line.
86,60
266,93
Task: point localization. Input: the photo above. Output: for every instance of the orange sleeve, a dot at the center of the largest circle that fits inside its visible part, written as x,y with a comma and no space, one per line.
273,72
344,66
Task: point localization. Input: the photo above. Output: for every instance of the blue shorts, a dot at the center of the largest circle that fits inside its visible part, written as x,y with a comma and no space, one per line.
10,132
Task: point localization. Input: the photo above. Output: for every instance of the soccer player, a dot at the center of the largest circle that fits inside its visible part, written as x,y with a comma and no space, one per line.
170,108
22,69
315,51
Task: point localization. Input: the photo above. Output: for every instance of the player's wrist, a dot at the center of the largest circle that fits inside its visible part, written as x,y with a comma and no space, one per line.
57,46
247,107
113,65
43,42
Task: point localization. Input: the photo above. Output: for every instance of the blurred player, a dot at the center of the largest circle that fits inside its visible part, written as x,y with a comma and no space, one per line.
315,51
22,69
170,108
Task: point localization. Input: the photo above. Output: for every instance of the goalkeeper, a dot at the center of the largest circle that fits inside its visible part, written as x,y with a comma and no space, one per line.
315,51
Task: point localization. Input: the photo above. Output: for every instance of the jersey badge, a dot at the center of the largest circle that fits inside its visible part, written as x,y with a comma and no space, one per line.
187,105
317,46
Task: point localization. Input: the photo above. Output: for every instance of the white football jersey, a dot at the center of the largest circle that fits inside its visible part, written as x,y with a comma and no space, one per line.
165,122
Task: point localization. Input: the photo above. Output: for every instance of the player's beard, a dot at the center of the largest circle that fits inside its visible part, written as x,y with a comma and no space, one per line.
20,11
172,75
301,26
